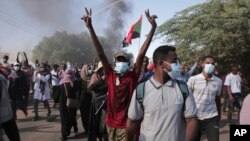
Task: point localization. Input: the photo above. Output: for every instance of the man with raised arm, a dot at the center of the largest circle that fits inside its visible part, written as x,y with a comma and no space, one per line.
121,81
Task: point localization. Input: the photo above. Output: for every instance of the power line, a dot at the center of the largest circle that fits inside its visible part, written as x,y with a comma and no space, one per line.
13,22
106,7
18,21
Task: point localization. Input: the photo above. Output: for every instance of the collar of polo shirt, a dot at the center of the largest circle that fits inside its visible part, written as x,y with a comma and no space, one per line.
157,85
203,77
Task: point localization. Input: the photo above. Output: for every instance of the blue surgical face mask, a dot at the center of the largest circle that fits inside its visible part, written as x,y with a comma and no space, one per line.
175,72
121,67
209,68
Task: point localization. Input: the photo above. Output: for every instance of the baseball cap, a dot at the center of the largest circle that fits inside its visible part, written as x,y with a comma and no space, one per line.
122,54
99,66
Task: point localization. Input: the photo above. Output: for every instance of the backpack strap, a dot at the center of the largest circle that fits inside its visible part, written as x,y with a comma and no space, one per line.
141,87
184,90
140,93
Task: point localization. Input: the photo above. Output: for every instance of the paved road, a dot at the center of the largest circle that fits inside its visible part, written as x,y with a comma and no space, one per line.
50,131
42,130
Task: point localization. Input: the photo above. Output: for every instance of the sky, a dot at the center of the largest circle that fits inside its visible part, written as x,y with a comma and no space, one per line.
24,23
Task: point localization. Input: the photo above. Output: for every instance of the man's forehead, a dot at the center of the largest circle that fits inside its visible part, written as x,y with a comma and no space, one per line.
234,68
209,60
121,59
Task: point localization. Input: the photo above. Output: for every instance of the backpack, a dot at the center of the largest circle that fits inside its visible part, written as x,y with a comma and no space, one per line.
182,85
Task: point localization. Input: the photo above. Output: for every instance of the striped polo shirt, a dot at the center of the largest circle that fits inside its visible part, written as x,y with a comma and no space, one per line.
204,92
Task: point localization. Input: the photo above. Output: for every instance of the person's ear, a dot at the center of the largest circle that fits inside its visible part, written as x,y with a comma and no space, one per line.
161,63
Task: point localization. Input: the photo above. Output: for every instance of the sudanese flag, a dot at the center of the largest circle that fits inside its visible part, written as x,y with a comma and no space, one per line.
134,32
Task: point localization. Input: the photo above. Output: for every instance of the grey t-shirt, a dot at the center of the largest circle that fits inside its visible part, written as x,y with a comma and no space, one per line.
162,115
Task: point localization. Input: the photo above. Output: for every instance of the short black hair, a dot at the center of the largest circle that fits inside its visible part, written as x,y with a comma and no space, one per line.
208,56
161,52
234,66
55,66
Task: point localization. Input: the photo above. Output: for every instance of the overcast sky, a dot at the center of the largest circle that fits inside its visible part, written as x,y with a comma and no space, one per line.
23,23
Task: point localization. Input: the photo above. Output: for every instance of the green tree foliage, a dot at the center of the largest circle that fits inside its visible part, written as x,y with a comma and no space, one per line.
63,47
220,28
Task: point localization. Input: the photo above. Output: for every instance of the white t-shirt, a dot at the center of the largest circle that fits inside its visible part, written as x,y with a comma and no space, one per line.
234,81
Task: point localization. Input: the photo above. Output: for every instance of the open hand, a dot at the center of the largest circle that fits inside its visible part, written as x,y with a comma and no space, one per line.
151,18
87,17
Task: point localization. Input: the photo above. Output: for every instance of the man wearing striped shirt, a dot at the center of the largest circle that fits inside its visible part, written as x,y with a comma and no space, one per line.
206,89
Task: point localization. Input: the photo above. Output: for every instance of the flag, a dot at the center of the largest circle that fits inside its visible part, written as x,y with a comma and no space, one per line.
134,32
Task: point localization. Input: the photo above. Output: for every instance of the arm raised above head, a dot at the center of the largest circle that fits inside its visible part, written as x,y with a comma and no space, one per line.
99,49
26,58
144,48
17,58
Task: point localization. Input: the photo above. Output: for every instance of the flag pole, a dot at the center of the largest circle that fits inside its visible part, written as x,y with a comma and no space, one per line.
139,46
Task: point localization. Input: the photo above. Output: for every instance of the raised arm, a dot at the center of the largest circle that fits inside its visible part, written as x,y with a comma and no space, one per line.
17,58
144,48
97,44
26,58
191,71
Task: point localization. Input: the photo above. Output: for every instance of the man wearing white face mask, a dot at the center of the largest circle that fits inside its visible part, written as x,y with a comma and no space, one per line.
41,89
206,89
121,82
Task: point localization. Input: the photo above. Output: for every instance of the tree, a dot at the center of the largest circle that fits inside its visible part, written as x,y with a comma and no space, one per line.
220,28
63,47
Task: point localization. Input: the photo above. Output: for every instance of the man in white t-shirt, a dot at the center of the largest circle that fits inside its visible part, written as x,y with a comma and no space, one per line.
233,83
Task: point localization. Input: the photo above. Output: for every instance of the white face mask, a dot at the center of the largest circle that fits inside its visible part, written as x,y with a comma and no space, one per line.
209,68
41,69
175,70
16,68
90,72
121,67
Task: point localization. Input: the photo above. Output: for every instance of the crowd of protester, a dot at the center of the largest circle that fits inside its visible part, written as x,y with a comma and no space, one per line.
163,100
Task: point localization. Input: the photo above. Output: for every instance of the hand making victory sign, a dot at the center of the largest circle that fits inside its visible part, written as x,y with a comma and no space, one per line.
151,19
87,17
145,46
99,49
